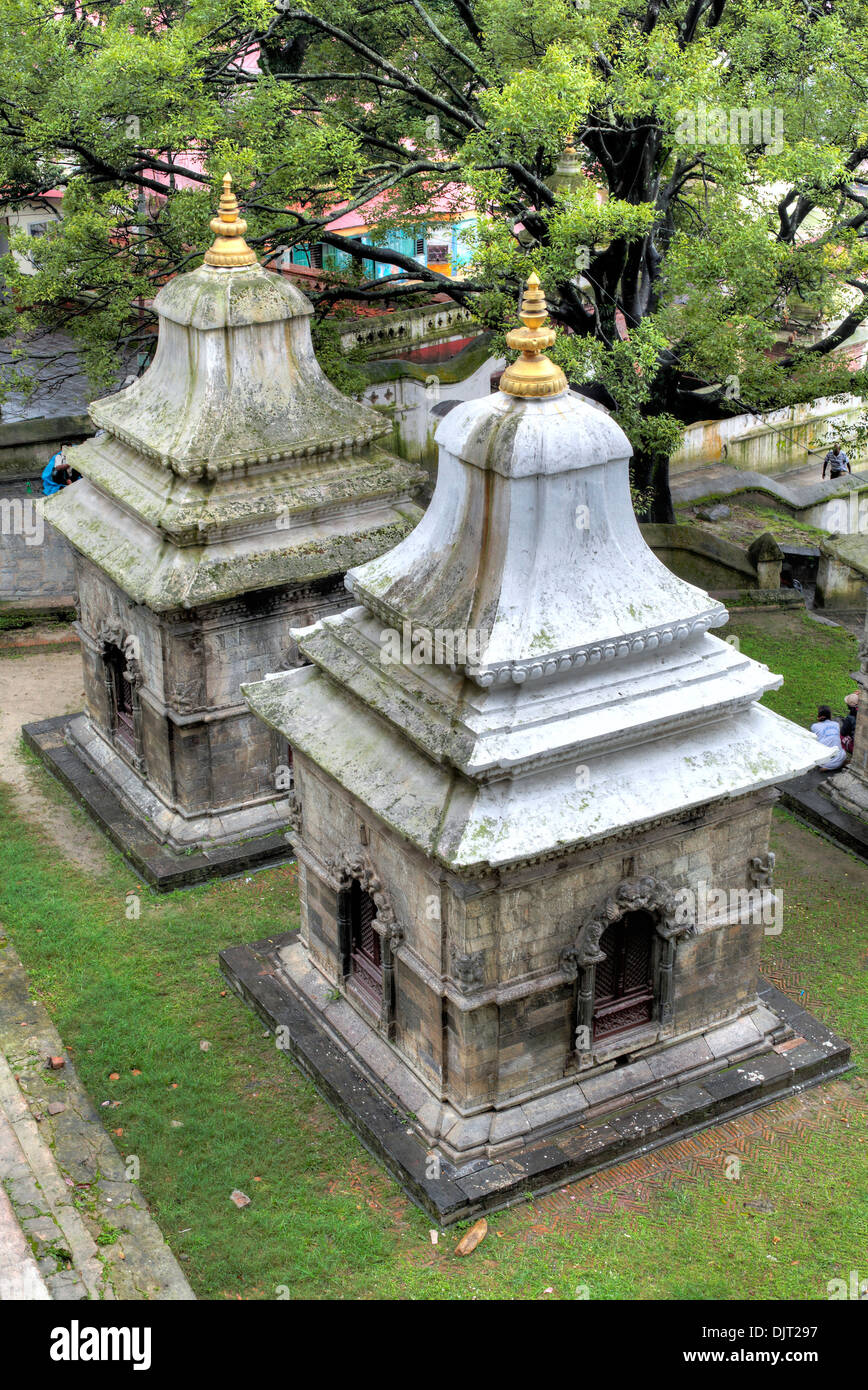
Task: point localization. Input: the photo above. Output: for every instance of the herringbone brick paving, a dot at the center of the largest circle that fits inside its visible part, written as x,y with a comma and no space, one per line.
776,1132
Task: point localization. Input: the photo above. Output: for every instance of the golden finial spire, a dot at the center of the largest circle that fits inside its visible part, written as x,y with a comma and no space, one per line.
533,374
229,247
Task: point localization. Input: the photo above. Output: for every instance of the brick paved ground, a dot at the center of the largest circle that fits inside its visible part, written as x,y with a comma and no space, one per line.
776,1131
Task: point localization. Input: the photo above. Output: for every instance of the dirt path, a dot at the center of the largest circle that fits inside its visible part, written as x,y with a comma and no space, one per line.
34,687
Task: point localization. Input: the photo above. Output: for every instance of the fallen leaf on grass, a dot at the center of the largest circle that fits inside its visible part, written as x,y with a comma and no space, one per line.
114,1076
469,1241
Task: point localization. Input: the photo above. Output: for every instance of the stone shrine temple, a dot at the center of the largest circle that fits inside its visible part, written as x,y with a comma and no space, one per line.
533,798
223,498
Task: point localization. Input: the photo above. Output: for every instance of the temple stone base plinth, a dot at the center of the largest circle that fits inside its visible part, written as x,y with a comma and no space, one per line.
165,848
455,1166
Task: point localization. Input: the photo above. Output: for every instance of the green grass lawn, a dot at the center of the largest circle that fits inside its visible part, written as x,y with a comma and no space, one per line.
140,995
324,1220
813,659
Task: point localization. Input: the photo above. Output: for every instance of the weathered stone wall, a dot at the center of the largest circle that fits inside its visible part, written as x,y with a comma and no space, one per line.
36,564
202,748
780,440
842,571
27,445
700,558
491,947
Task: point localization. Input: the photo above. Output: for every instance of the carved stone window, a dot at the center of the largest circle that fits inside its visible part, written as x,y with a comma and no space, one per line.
365,912
121,696
622,962
366,955
624,981
123,680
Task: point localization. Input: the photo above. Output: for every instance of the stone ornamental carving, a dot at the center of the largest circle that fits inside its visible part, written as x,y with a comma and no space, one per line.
358,866
468,970
112,634
762,870
294,812
188,696
642,894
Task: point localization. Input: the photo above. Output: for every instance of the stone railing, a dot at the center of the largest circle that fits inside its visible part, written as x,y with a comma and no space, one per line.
385,334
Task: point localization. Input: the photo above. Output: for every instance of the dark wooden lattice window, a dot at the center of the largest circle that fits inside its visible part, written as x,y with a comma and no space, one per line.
624,983
365,946
122,692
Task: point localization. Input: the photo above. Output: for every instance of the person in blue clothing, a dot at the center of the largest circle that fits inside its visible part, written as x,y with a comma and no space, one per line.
56,474
828,732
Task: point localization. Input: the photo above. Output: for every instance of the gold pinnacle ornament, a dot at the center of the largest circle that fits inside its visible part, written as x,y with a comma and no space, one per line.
533,374
229,247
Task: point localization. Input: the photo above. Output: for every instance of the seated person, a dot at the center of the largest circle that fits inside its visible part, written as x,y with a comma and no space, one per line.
56,474
848,723
827,731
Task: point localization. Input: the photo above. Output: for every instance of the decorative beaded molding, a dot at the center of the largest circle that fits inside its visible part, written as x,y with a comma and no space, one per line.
534,668
213,468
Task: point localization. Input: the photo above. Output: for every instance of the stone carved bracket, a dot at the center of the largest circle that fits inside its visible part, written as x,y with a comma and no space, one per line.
294,812
468,970
647,894
762,870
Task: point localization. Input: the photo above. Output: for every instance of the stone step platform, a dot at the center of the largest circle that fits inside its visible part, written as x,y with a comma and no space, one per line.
618,1123
20,1276
152,861
805,799
73,1225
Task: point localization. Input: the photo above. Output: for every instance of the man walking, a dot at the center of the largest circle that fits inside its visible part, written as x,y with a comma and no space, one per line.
837,462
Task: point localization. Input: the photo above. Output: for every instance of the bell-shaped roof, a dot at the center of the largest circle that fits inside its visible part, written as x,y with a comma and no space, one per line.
522,634
234,380
233,463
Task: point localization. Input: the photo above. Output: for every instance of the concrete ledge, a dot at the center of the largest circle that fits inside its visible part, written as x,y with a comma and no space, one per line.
59,607
454,1193
151,860
807,802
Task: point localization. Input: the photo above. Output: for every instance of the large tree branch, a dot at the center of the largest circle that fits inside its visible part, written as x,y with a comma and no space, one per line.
356,45
846,328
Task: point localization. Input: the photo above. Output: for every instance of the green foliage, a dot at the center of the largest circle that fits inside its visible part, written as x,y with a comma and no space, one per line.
340,367
713,217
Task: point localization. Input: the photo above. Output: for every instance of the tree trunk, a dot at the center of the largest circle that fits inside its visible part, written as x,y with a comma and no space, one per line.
650,473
